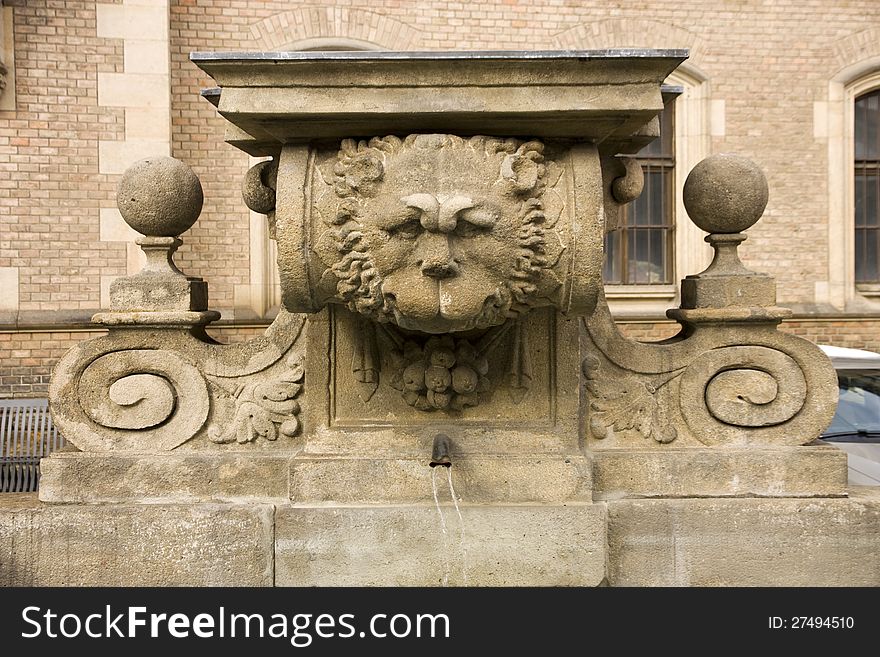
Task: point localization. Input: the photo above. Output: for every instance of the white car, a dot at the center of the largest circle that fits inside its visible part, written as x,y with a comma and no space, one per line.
856,425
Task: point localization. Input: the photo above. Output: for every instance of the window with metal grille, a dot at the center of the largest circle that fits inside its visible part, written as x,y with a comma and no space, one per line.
640,251
867,190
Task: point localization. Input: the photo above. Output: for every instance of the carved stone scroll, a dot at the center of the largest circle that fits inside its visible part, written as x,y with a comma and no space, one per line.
729,378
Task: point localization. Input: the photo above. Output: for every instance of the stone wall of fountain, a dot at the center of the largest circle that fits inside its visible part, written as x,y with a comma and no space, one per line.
444,398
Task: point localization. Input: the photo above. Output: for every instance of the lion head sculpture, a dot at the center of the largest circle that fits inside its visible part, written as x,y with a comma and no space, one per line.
438,233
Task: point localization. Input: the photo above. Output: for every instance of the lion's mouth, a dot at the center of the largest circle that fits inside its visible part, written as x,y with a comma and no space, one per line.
447,314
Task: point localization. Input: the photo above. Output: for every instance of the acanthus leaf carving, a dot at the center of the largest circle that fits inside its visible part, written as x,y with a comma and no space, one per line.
626,404
264,409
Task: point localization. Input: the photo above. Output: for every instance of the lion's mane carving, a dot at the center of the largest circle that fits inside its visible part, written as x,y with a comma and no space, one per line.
439,233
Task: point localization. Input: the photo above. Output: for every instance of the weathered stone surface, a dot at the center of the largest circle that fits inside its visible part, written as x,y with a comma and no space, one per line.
159,196
745,542
135,545
695,472
461,259
502,480
628,186
150,386
258,187
522,360
441,233
600,95
750,289
725,193
544,545
730,381
89,478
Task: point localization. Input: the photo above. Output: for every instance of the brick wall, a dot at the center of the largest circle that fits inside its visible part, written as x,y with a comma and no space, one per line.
234,334
28,357
50,188
197,139
855,334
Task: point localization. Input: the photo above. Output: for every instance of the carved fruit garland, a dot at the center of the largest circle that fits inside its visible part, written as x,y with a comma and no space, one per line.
261,405
446,373
619,405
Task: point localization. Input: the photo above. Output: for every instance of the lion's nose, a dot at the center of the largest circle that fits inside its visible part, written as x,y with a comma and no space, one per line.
436,260
440,270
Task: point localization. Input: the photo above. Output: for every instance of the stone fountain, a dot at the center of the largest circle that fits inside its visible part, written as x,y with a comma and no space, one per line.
440,220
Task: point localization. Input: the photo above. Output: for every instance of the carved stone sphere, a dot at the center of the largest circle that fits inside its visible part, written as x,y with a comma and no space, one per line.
159,197
725,194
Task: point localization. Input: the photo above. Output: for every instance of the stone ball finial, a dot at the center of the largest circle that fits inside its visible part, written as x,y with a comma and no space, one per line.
159,197
725,194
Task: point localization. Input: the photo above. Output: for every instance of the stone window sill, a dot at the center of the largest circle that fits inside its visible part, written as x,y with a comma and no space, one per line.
870,290
649,302
640,291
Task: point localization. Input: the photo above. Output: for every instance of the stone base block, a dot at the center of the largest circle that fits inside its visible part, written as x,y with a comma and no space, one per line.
134,545
77,477
498,480
745,542
80,477
658,542
542,545
818,471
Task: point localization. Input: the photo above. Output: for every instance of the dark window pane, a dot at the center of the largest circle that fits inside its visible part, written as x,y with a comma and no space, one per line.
872,122
633,248
861,269
636,262
867,198
658,253
866,255
613,257
867,187
861,125
658,199
872,203
861,182
637,213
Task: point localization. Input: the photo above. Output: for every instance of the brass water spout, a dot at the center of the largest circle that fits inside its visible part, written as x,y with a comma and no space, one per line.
440,452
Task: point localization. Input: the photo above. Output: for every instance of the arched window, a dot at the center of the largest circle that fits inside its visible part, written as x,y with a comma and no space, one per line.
867,188
850,121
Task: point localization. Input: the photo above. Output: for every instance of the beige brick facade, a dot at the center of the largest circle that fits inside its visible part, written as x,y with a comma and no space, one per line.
99,84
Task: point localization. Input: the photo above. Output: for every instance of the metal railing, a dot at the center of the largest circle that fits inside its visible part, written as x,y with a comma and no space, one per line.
27,434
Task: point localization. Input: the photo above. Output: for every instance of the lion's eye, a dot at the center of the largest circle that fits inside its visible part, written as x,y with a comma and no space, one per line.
475,221
465,228
409,230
